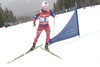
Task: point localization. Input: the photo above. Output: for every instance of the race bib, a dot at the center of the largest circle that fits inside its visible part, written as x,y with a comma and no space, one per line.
44,20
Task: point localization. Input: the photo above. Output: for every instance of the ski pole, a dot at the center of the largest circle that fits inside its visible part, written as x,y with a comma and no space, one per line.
35,27
54,26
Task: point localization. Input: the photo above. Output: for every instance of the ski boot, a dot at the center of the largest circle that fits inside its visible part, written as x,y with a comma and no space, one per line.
46,46
32,48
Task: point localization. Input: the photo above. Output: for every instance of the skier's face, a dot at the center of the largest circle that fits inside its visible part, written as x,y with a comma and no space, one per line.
45,7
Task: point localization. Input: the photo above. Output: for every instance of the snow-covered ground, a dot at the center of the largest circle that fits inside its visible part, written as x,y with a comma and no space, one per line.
79,51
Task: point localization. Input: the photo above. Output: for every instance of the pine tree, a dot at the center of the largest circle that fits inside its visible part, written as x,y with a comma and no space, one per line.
54,5
1,17
8,16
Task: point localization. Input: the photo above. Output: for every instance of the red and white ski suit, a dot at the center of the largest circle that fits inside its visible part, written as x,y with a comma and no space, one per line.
43,17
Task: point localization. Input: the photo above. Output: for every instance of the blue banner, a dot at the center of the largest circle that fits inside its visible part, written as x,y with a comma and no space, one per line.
70,30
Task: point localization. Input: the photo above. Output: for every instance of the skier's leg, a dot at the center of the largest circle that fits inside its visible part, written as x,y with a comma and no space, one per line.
47,30
39,30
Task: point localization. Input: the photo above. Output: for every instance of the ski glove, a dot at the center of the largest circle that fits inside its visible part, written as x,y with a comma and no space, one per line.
34,24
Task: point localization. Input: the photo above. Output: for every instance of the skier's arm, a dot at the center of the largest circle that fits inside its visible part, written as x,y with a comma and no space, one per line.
35,18
51,13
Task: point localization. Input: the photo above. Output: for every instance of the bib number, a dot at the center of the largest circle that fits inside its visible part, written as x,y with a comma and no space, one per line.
43,20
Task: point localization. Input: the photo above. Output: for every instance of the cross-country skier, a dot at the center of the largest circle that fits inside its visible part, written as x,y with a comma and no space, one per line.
43,16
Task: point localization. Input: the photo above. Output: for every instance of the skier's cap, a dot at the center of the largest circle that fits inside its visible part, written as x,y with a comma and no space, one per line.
45,3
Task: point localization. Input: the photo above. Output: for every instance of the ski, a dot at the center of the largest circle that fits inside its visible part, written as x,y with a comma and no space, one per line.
23,54
51,53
